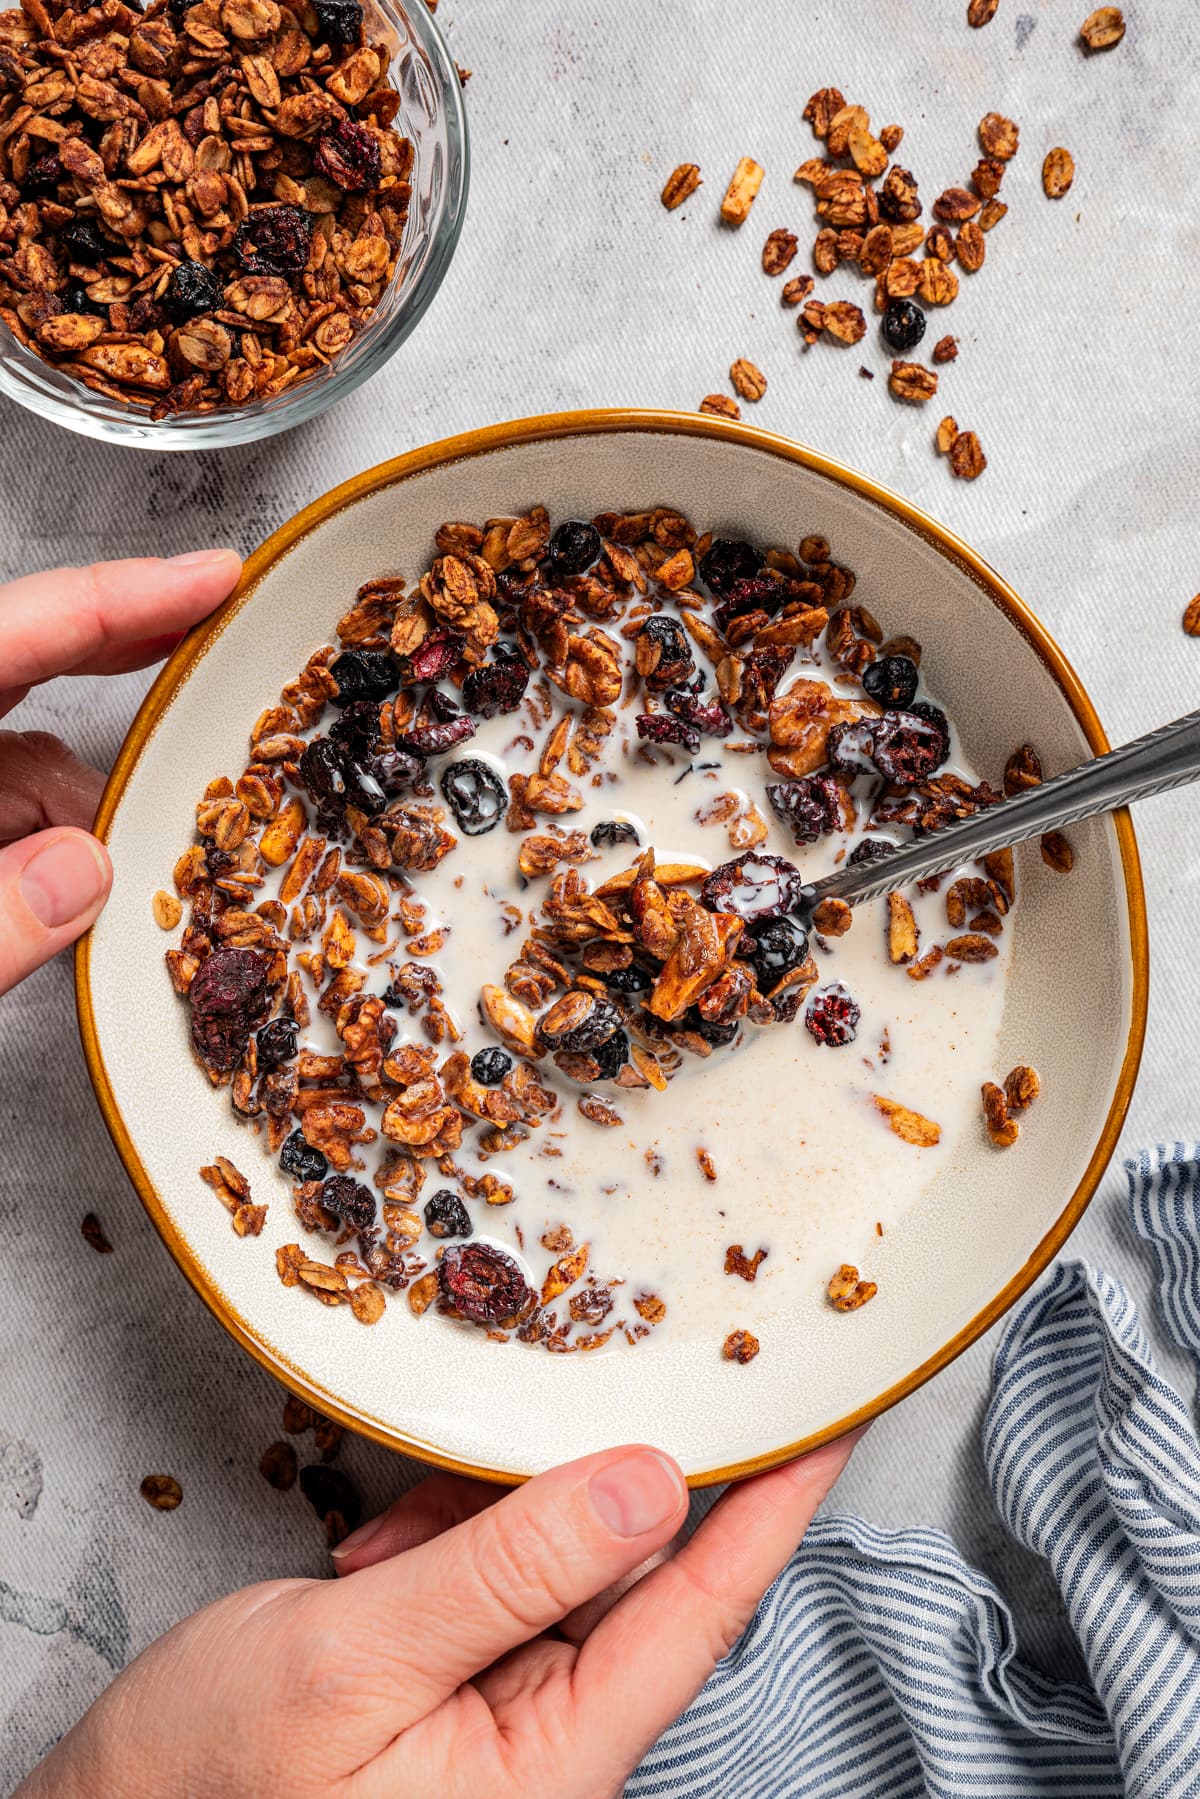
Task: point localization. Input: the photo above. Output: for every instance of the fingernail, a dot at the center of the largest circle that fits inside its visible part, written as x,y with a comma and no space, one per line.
637,1494
201,558
64,880
358,1537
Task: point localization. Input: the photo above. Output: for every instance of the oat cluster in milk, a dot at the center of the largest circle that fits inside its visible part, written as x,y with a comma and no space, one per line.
494,940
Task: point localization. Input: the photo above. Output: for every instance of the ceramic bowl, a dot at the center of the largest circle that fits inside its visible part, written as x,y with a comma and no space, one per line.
1074,1007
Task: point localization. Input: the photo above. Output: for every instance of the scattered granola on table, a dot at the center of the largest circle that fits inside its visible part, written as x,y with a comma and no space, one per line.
202,204
502,918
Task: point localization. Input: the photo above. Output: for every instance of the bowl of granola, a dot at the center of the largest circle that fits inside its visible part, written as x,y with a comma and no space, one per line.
503,1103
219,219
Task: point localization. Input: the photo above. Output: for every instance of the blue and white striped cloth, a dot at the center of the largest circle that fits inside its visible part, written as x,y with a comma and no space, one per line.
880,1665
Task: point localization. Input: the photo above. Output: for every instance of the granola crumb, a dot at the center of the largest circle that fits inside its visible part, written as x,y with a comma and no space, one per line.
1022,1086
967,459
778,251
848,1291
93,1233
1191,617
740,1346
167,910
1058,172
1057,853
908,1125
909,381
945,349
739,1263
1002,1129
162,1491
278,1466
708,1167
1103,28
946,433
981,12
740,195
866,373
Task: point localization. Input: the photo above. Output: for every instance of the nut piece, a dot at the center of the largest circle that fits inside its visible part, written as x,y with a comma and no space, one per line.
1103,28
981,12
721,405
902,929
1058,172
947,431
748,381
945,349
1021,1087
999,136
166,909
908,1125
966,457
162,1491
992,214
1191,617
939,285
971,247
778,251
847,1292
1002,1129
909,381
955,204
845,321
740,1346
680,184
278,1466
797,289
739,195
93,1233
1057,853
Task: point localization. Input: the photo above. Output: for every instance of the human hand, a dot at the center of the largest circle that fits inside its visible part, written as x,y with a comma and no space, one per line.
103,620
433,1664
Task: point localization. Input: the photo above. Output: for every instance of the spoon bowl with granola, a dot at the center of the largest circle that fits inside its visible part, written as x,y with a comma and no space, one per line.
460,876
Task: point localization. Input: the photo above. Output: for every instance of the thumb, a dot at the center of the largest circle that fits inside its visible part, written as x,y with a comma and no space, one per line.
52,886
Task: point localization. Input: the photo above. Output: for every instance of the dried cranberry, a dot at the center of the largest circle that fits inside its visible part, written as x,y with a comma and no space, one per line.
437,655
340,20
871,849
192,289
850,747
776,947
727,561
442,706
611,1056
483,1283
662,649
42,177
85,243
706,716
349,156
809,808
903,325
273,240
332,1498
363,675
475,794
753,886
909,746
891,681
759,593
349,1200
496,687
446,1215
785,1005
613,831
627,980
229,1000
299,1158
276,1043
489,1066
574,546
435,740
660,727
832,1016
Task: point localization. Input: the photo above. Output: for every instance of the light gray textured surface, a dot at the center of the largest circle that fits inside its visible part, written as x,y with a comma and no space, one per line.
573,288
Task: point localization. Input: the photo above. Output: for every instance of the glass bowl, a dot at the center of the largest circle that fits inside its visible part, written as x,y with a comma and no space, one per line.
433,116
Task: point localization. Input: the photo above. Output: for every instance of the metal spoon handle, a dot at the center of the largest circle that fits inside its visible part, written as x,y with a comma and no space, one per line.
1166,758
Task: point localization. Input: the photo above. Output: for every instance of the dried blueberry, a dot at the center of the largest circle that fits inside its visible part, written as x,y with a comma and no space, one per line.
709,717
483,1283
710,1029
489,1066
349,1200
42,177
75,298
832,1016
276,1043
627,980
809,807
580,1022
850,747
909,746
435,740
760,593
437,655
574,546
903,325
363,675
727,561
613,831
660,727
362,788
611,1056
871,849
229,1000
446,1215
662,654
349,157
85,243
191,290
753,886
498,686
475,794
776,947
340,20
891,681
357,728
321,773
299,1158
273,240
395,768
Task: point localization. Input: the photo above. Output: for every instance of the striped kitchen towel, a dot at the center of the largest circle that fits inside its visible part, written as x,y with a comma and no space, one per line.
880,1665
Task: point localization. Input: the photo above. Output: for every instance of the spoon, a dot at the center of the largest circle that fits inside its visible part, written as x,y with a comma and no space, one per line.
1166,758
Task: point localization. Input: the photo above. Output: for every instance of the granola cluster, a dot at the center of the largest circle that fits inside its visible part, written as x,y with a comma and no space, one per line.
200,205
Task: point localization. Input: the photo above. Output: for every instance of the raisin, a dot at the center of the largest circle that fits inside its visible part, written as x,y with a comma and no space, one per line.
706,716
363,675
726,562
498,686
349,156
776,947
192,289
475,794
446,1215
489,1066
273,240
612,831
483,1283
574,547
903,325
276,1043
85,243
611,1056
660,727
437,655
871,849
332,1498
299,1158
435,740
662,654
809,808
628,980
753,886
832,1016
909,746
349,1200
229,1000
851,747
891,681
340,20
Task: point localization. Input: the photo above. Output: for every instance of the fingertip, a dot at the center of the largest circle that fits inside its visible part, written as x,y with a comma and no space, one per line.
642,1492
214,571
66,879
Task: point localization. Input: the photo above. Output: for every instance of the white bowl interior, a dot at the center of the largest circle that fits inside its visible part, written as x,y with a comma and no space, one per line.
1068,1008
